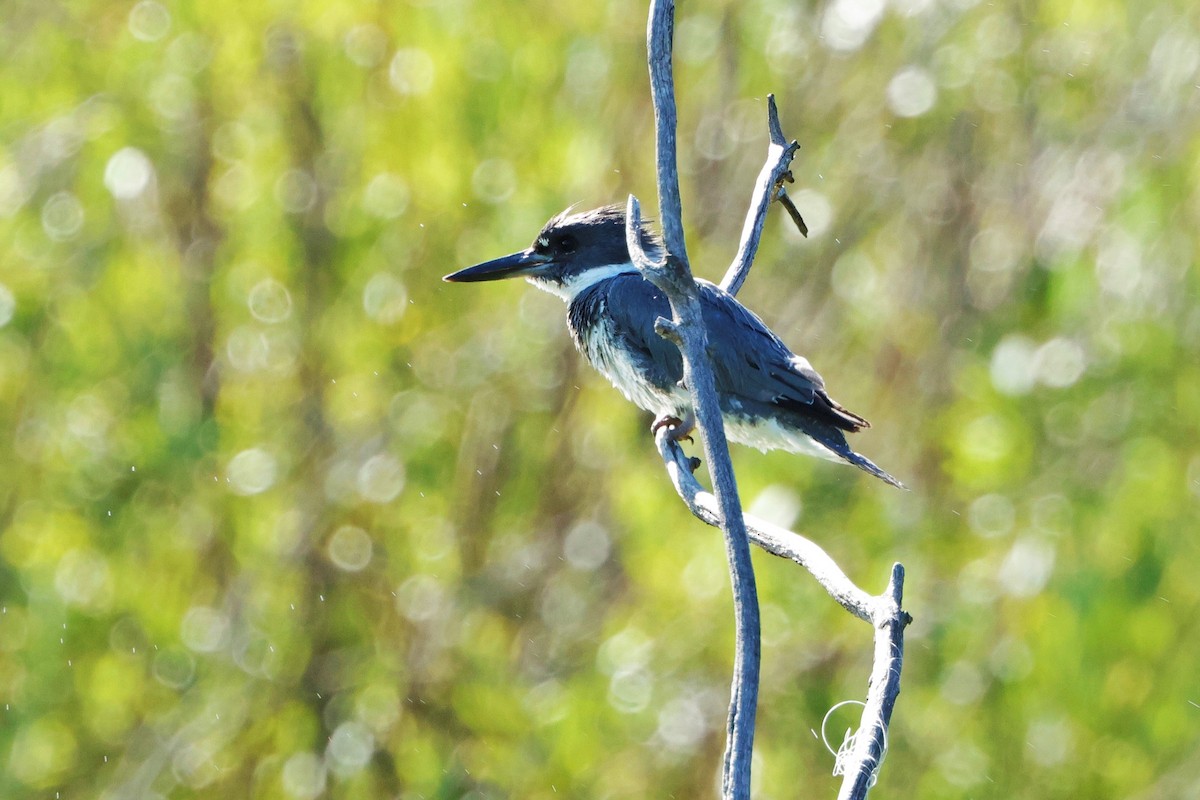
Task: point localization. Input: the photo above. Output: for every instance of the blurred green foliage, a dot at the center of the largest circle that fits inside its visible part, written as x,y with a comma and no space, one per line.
285,516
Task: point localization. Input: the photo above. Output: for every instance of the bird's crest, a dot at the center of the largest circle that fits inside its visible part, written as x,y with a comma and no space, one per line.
604,216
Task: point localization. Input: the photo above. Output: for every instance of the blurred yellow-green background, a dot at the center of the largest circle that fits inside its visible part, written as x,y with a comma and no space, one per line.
285,516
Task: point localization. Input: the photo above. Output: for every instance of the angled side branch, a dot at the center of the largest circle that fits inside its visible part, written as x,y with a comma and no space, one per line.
768,187
773,539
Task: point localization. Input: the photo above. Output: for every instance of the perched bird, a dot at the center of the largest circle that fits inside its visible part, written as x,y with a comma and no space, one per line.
770,397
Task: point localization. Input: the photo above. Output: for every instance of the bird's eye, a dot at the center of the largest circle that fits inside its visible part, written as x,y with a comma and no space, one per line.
565,244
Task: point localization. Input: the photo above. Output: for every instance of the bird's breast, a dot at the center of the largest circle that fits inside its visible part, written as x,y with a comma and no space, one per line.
612,353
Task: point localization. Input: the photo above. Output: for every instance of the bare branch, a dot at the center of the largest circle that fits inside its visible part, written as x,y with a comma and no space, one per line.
768,187
688,330
660,35
680,289
885,613
793,212
671,273
870,743
775,540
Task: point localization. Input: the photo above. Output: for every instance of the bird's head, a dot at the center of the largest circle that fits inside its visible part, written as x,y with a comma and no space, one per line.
572,252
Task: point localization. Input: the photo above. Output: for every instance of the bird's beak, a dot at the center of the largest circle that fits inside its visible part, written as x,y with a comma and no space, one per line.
516,265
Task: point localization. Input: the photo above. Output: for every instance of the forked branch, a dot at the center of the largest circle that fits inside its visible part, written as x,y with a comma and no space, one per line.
861,761
670,272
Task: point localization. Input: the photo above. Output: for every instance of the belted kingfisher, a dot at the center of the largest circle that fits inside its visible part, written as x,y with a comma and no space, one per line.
770,397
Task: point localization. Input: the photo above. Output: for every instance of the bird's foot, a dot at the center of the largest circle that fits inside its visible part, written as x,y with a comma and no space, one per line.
678,429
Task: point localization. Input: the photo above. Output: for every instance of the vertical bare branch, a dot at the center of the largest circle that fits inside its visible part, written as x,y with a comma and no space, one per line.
660,37
688,332
870,743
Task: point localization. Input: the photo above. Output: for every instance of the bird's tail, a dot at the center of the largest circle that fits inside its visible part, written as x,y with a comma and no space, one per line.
834,441
866,464
803,434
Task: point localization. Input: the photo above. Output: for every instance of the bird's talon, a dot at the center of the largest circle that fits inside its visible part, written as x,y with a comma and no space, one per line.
665,421
677,429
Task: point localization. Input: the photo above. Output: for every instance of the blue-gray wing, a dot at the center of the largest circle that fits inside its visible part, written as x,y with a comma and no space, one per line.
752,364
755,372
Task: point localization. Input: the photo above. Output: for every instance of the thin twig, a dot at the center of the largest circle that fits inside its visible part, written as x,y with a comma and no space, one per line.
768,187
793,212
